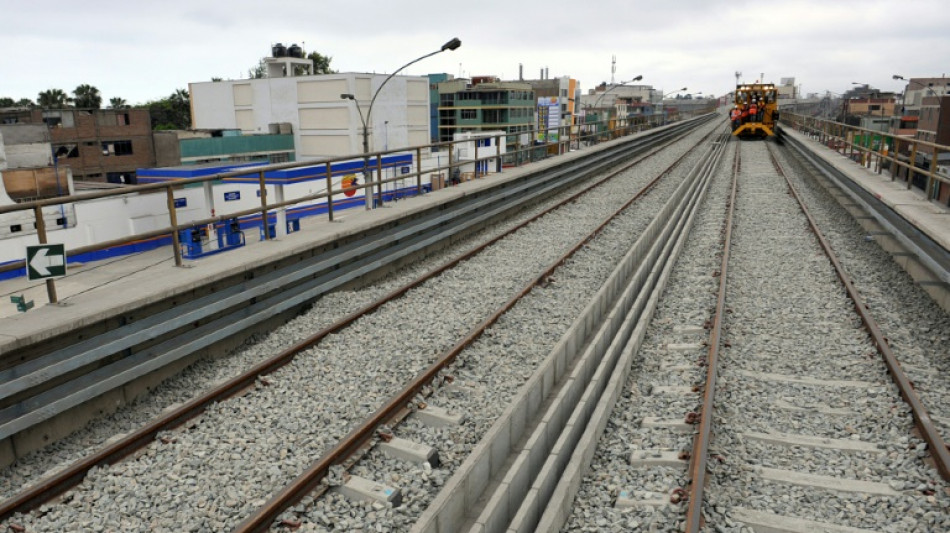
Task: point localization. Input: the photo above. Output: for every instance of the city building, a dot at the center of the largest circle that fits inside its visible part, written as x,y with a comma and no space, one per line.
98,145
29,172
786,89
322,122
934,123
190,147
561,92
918,88
485,103
434,81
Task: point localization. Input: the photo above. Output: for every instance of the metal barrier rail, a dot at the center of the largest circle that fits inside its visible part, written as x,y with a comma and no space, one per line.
897,153
567,137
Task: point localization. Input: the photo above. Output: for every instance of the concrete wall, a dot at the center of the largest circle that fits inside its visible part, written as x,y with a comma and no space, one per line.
324,125
167,149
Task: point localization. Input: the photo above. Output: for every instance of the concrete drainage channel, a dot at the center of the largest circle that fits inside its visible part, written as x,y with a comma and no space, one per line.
520,478
46,394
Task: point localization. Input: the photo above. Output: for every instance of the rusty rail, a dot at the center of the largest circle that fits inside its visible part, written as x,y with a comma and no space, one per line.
938,447
697,471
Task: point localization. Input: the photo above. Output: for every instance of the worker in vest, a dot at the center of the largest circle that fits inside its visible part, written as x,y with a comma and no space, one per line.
735,115
744,114
753,111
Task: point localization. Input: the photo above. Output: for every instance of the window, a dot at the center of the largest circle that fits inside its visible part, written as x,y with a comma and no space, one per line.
67,150
469,114
117,148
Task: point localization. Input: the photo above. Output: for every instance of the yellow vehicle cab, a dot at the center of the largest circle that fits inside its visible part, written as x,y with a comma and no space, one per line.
758,110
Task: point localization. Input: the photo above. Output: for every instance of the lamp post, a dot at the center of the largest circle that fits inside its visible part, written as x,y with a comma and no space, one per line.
664,97
451,45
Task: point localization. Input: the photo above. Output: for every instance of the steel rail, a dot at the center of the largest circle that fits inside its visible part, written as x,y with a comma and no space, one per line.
357,438
48,489
938,447
87,386
697,471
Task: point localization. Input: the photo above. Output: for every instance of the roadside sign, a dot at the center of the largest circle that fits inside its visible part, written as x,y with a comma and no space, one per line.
46,261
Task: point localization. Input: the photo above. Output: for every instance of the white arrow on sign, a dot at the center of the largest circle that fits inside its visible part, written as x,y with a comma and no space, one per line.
40,261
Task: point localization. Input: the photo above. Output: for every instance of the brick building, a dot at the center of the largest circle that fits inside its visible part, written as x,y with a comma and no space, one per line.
103,145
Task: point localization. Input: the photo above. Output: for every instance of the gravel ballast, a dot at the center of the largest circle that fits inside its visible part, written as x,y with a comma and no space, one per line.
210,475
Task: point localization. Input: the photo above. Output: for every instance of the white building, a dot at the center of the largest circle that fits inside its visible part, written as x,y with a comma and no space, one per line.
323,123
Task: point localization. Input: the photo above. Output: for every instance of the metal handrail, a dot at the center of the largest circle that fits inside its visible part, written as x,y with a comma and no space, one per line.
568,135
841,137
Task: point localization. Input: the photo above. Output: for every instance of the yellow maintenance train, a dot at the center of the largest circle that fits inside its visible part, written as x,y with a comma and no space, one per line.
756,111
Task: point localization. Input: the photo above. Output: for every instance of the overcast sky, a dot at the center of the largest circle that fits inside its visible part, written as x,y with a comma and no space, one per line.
142,51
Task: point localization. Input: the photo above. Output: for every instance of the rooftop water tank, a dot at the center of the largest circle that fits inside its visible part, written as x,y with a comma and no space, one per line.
278,50
295,51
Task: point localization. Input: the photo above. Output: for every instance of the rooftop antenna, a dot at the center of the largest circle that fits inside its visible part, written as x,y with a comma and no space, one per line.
738,75
613,68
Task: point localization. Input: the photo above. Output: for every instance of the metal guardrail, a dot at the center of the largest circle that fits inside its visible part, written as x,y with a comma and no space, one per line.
902,156
567,138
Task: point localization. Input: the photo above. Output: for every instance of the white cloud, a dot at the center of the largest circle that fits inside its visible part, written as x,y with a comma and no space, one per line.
143,51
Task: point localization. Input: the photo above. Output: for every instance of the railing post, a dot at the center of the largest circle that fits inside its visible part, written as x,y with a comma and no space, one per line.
913,166
928,192
895,165
329,192
41,235
476,158
379,179
451,153
173,219
367,187
881,150
419,171
264,222
498,141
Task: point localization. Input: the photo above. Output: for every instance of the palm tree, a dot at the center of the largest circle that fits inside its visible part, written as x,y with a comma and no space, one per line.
53,99
87,97
117,103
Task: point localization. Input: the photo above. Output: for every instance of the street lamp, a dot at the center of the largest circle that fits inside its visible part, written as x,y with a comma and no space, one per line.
612,87
674,92
903,95
451,45
664,97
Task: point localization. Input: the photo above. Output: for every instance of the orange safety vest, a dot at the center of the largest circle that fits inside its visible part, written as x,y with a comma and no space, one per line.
753,109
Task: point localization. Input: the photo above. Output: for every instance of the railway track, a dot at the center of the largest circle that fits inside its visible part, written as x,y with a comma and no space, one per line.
381,330
805,429
38,383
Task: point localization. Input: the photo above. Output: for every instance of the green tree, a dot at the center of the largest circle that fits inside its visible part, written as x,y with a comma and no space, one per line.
87,97
7,101
25,102
259,71
321,63
53,99
171,113
118,103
